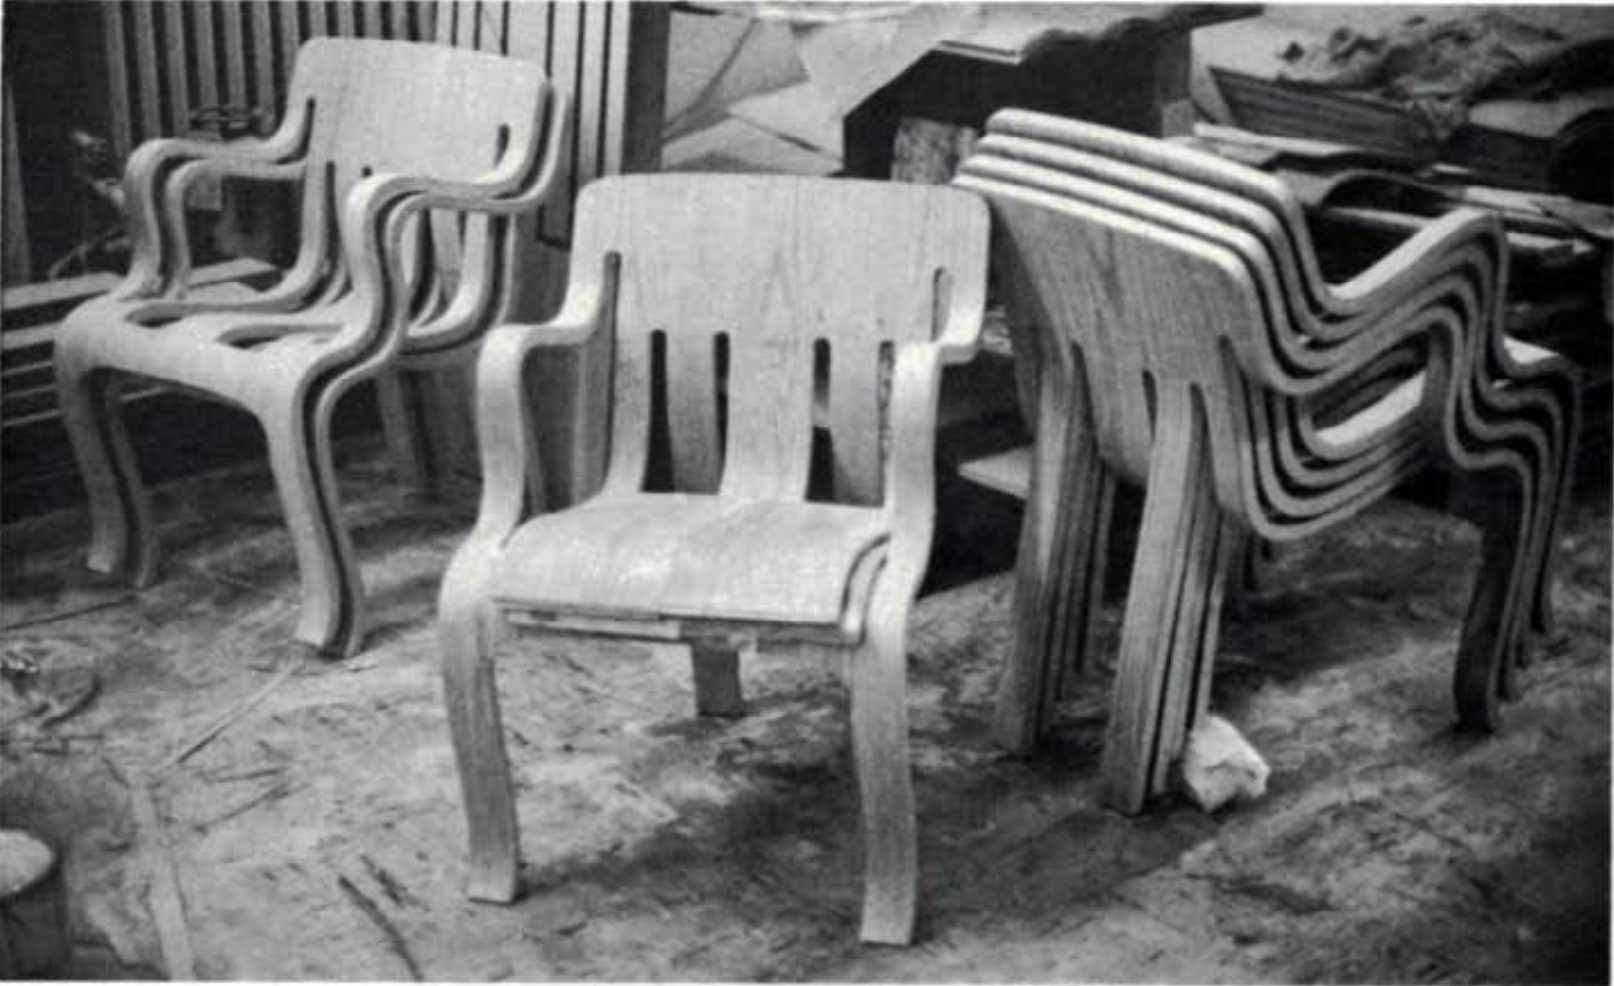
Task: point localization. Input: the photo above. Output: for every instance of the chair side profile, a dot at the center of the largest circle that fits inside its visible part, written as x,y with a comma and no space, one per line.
375,133
742,311
1080,256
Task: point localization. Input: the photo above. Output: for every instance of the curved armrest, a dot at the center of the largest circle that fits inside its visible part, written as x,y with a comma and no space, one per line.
154,159
509,188
1401,270
466,311
506,434
910,479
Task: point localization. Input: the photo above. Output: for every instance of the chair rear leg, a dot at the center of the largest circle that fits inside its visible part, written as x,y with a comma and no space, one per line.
1488,641
305,476
717,679
1179,560
878,672
466,641
403,429
1564,390
123,539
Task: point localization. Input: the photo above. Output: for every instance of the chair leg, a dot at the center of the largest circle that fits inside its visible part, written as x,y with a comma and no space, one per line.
1084,578
402,427
333,596
1063,540
1062,536
1487,640
885,785
1169,604
1542,620
123,538
717,679
466,641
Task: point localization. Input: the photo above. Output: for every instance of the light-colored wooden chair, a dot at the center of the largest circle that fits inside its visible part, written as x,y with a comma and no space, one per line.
1254,441
385,138
1513,381
742,311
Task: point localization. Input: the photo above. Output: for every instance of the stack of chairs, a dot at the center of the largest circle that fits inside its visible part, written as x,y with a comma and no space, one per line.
1186,340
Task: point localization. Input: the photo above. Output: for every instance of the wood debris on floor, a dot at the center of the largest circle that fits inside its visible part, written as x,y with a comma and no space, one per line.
303,820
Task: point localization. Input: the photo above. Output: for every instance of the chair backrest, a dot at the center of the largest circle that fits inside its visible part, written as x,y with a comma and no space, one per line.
1147,308
413,109
742,303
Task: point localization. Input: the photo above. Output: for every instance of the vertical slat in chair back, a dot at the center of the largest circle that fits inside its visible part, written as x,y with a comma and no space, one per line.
731,289
166,58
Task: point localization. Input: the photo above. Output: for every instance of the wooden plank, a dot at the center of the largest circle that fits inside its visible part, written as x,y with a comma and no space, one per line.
263,62
176,58
565,70
113,25
235,54
18,262
641,71
149,89
346,26
290,34
371,23
594,40
207,69
315,11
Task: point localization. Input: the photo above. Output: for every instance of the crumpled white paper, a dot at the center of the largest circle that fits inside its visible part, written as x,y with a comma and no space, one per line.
1220,766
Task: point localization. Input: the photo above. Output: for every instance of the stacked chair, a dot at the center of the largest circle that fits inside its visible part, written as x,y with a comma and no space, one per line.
745,313
1186,340
412,161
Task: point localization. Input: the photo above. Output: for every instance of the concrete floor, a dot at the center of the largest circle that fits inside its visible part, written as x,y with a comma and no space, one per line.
659,846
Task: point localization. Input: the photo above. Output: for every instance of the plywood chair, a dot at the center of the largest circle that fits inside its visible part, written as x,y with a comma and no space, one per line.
377,133
1207,334
1513,379
744,303
1524,398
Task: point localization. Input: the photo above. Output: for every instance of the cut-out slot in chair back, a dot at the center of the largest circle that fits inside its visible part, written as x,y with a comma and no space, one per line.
1149,309
759,277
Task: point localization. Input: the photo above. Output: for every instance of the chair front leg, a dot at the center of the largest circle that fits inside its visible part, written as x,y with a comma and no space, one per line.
332,618
466,638
1487,642
1185,551
123,538
878,674
1059,567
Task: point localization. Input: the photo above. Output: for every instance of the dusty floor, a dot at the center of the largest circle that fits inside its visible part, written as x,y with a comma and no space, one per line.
1389,848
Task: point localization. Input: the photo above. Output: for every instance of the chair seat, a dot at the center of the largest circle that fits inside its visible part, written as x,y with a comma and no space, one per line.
689,557
213,352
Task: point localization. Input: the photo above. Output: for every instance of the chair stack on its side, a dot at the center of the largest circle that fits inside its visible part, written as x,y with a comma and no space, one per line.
1186,340
384,138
